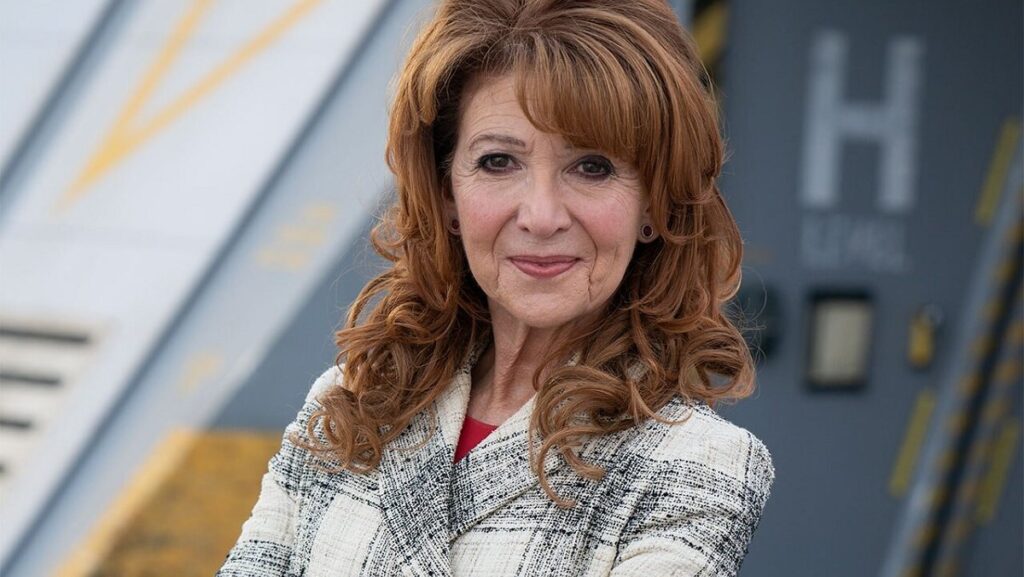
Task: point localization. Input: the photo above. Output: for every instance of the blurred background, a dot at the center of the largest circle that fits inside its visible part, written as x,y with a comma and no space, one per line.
187,189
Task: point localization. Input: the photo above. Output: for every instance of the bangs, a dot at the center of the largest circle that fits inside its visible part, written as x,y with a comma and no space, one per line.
588,94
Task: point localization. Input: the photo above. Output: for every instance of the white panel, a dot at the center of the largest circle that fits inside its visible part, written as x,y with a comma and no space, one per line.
127,252
38,40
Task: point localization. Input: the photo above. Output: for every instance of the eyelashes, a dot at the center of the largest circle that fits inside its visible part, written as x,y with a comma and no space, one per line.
596,167
496,163
591,167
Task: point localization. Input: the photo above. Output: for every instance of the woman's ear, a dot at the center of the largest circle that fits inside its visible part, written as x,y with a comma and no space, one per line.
449,212
646,232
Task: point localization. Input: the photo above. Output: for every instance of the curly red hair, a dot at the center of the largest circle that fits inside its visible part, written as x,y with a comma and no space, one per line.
623,77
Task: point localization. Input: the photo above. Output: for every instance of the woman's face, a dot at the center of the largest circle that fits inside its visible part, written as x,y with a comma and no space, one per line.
548,229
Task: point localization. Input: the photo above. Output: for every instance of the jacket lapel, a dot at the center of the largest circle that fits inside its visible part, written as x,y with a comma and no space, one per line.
496,472
428,501
415,480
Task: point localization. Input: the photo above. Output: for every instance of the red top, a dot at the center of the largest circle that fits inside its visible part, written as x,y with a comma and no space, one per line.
473,431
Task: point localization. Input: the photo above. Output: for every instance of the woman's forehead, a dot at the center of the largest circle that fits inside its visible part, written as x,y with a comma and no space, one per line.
511,108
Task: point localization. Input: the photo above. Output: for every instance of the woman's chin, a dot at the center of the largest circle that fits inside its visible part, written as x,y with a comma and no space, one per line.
546,313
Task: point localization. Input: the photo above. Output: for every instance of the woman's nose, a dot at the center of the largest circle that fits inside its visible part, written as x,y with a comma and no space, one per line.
542,211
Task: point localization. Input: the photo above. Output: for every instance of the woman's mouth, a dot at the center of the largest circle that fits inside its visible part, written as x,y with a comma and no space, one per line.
544,267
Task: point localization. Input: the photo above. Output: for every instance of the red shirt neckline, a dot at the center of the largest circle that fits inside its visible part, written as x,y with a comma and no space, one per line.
479,422
473,432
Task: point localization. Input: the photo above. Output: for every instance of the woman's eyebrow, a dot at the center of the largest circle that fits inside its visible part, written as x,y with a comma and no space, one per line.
498,138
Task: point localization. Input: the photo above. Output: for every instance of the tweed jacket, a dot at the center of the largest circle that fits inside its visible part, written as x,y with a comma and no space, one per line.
678,499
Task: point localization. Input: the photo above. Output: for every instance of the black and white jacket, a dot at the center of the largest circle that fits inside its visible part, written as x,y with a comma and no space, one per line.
675,500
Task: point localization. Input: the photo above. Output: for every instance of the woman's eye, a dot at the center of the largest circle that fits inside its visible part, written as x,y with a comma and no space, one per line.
495,162
595,167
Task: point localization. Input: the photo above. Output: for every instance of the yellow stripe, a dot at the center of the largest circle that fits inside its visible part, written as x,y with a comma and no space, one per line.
87,557
123,138
183,510
945,462
956,423
301,235
282,259
994,411
1016,232
969,490
1008,371
995,478
709,31
997,171
969,384
1015,334
993,310
319,211
981,346
228,67
917,428
1003,272
948,568
925,535
959,530
199,368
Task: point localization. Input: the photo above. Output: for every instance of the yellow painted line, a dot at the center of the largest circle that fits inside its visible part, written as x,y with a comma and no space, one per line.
1003,272
188,513
993,310
983,450
87,557
1016,232
945,462
322,212
925,535
1003,455
291,260
126,134
709,31
981,347
969,490
948,568
1015,334
969,384
292,242
956,423
959,530
913,439
997,171
300,235
1008,371
199,368
994,411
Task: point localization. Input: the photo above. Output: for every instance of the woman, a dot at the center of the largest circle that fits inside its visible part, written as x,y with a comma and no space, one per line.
560,258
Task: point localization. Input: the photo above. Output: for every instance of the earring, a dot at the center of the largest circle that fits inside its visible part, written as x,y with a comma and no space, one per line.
453,226
647,232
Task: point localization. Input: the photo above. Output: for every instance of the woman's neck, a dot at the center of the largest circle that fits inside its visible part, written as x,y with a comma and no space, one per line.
503,376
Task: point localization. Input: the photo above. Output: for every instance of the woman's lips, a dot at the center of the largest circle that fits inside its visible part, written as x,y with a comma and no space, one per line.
543,267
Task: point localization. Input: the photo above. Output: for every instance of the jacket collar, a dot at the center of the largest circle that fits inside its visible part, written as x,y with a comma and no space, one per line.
415,478
428,500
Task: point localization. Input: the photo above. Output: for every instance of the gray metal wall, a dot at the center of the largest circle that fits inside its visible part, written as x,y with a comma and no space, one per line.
832,512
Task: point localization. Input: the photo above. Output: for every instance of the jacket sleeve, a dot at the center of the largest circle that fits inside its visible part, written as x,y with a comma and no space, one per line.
696,520
265,546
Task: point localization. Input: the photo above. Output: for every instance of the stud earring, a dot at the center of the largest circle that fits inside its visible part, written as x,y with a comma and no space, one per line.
453,226
647,232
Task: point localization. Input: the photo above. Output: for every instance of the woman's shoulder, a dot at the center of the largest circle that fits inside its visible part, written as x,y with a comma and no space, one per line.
333,376
328,379
702,437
